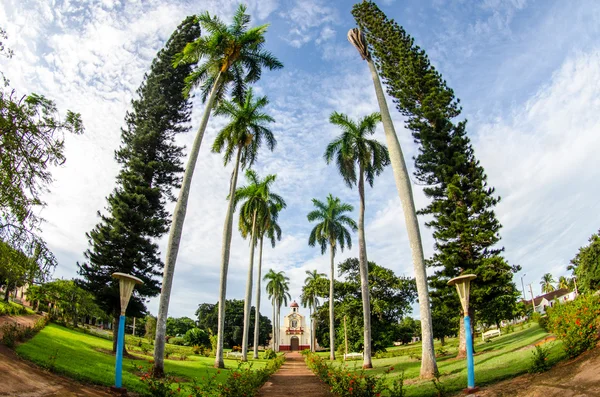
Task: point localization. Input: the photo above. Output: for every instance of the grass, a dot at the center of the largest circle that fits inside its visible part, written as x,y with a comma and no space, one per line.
13,309
504,357
82,356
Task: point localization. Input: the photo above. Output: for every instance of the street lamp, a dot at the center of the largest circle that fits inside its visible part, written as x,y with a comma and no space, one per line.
126,284
463,284
523,286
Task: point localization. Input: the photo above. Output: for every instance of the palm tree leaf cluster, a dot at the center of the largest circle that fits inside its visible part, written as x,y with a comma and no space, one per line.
332,226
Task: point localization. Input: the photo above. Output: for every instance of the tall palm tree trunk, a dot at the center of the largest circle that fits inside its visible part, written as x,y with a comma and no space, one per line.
273,337
314,327
331,318
311,321
428,363
175,236
248,299
225,263
364,272
257,311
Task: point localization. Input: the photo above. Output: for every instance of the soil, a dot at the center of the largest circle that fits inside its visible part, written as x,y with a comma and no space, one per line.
579,377
21,321
294,379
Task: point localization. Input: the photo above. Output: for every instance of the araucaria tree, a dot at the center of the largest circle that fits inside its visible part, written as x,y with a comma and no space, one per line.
278,291
125,239
403,185
228,56
354,148
242,138
258,202
331,230
465,227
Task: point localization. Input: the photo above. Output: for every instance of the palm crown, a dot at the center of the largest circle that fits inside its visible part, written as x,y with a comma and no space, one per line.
230,53
247,128
332,226
354,147
546,283
278,287
310,293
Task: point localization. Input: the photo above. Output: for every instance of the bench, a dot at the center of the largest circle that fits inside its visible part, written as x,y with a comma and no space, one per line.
235,355
490,334
353,356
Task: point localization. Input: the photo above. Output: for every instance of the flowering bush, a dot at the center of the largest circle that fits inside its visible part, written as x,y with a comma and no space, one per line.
576,323
343,382
539,361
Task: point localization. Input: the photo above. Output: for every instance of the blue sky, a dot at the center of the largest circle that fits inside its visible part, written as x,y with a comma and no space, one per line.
527,74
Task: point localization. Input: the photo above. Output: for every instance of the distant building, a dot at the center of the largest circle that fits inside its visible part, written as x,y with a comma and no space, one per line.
550,299
294,334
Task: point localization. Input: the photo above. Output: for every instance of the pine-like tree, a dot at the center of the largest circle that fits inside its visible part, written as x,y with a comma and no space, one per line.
125,238
464,224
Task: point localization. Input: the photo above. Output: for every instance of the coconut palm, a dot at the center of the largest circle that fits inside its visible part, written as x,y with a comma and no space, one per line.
353,148
226,56
257,205
271,229
278,291
242,137
546,283
310,298
428,363
331,230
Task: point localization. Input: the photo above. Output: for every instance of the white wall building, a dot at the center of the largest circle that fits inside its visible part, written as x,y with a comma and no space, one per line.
294,334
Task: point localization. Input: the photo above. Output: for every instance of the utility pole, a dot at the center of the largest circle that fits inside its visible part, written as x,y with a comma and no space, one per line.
345,337
532,299
523,286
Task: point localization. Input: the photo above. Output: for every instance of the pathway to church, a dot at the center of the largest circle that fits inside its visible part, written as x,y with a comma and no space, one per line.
294,379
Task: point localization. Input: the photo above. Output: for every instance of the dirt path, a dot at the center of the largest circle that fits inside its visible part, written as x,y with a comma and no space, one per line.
21,321
294,379
579,377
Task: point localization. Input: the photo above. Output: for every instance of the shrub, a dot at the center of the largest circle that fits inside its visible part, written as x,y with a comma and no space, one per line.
158,387
13,309
270,354
440,389
196,336
177,341
539,361
196,349
576,323
236,349
10,334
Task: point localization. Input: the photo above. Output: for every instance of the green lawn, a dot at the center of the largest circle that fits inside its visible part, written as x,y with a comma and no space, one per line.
505,357
80,356
13,309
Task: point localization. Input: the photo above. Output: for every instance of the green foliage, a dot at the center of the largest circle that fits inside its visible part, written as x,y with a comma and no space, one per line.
576,323
269,354
125,239
13,333
178,341
586,265
465,227
547,283
179,326
13,309
440,389
150,327
390,297
197,336
539,361
69,301
332,225
158,387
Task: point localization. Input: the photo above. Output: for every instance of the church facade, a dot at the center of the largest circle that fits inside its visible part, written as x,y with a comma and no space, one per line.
294,334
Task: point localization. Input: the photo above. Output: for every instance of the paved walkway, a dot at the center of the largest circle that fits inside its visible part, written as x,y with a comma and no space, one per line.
294,379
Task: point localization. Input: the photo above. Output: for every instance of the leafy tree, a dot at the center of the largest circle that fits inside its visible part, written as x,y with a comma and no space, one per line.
125,239
228,56
445,318
71,302
150,327
350,149
234,321
547,283
331,230
465,227
564,283
403,183
258,204
179,326
391,299
586,266
310,297
278,291
197,337
406,329
243,136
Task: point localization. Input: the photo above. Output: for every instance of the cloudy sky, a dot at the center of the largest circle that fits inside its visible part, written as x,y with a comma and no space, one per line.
527,73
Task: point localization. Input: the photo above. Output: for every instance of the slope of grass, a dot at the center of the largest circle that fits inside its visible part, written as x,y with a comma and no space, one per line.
505,357
13,309
84,357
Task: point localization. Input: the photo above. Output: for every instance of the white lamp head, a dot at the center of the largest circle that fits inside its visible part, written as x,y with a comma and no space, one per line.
126,284
463,284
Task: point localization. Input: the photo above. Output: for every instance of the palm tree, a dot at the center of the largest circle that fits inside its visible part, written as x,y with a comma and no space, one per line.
428,363
227,55
331,230
351,148
271,229
564,283
310,298
278,290
243,136
546,283
258,203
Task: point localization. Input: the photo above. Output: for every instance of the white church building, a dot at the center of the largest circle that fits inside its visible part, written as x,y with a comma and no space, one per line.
294,334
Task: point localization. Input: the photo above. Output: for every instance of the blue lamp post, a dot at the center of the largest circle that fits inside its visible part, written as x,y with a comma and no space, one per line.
126,284
463,285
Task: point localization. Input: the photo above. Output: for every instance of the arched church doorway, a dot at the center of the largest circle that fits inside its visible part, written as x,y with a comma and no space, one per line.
295,343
